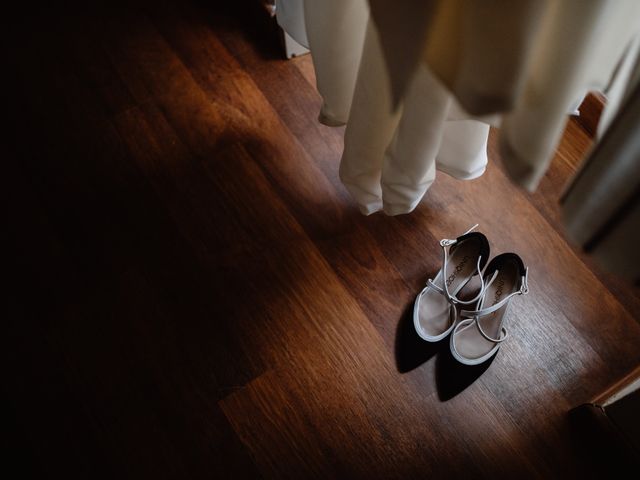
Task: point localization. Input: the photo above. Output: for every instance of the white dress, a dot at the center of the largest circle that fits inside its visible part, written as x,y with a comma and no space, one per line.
419,82
391,154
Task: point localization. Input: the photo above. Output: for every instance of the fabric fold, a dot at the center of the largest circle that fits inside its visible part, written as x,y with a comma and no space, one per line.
418,83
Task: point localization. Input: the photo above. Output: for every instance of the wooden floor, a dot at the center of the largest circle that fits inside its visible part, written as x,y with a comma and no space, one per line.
194,294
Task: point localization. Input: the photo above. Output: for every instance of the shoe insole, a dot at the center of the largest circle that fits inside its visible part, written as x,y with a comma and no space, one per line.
433,311
469,341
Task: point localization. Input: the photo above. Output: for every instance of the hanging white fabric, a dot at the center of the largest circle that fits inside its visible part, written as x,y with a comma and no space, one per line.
602,205
391,154
420,80
395,149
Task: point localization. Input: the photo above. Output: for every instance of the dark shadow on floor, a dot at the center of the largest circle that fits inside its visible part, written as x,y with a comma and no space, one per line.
593,436
452,377
412,351
248,17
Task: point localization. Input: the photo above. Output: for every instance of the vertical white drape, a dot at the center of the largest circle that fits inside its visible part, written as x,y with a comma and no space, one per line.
602,205
418,81
391,151
391,154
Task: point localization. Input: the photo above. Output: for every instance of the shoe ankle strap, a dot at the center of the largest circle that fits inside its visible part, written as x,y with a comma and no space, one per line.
476,314
447,242
452,299
446,245
523,290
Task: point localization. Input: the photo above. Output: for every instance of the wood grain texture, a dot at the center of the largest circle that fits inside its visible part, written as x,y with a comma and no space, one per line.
590,112
195,295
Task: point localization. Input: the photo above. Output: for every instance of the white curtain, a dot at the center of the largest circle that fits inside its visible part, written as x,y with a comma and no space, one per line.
602,205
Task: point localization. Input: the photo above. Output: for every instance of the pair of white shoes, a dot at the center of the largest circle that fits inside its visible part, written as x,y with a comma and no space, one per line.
476,325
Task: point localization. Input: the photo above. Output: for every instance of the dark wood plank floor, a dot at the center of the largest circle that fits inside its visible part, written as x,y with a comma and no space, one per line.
194,295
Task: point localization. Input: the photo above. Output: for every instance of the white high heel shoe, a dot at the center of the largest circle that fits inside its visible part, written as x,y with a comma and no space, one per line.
478,337
436,307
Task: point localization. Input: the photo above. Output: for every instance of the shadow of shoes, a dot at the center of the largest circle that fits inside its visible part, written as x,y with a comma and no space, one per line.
452,377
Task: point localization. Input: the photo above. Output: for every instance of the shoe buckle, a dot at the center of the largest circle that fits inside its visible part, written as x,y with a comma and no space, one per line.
445,242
